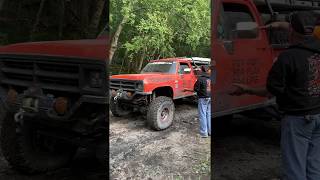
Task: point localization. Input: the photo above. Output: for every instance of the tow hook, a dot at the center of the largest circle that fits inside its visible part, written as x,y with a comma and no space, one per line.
28,105
18,118
119,93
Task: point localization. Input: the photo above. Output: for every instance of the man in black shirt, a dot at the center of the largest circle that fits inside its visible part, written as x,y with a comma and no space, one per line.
294,80
203,90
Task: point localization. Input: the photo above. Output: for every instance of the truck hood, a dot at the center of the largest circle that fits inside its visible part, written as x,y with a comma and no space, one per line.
87,49
145,77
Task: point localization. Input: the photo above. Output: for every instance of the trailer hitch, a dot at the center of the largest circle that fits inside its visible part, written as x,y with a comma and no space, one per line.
18,117
19,120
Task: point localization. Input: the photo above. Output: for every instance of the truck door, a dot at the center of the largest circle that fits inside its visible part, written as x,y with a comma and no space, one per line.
186,76
242,55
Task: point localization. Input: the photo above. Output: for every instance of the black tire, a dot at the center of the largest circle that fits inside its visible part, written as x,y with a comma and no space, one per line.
117,110
24,154
161,113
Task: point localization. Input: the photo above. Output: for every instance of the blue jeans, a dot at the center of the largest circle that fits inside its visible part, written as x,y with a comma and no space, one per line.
204,108
300,146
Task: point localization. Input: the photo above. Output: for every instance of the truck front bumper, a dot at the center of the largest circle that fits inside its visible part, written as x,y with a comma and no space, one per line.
44,106
120,94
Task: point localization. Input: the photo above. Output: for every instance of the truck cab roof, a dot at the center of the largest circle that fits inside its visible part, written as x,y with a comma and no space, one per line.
197,60
87,49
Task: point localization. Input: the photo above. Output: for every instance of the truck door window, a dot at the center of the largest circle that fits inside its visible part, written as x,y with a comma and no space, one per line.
277,37
230,15
184,66
221,33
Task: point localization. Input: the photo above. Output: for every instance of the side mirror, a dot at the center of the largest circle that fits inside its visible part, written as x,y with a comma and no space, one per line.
246,30
187,70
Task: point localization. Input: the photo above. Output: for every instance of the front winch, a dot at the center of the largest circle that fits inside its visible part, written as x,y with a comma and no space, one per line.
30,105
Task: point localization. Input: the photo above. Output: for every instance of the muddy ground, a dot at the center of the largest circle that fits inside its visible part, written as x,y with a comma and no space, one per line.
137,152
84,167
248,150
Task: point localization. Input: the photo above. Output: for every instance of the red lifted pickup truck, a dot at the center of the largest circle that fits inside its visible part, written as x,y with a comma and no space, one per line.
153,90
53,100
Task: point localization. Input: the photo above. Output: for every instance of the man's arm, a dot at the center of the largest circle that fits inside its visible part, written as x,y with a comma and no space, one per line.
278,25
196,86
242,89
276,81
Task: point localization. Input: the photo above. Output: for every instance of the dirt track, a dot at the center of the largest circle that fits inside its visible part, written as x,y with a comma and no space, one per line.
84,167
137,152
248,150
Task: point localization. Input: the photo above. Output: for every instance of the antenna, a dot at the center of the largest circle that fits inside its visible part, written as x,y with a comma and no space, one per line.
273,14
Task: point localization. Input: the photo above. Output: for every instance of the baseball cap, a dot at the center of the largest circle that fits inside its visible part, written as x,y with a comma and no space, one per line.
303,22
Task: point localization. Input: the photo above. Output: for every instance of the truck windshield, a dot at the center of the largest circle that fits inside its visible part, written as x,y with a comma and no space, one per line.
160,67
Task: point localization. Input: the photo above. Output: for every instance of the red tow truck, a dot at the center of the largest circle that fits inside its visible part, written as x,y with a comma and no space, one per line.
244,53
153,90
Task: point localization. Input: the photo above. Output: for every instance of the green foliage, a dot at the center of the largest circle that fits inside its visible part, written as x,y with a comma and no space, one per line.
159,29
203,167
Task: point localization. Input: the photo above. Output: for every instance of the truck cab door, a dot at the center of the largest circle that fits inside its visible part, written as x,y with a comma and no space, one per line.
186,77
241,51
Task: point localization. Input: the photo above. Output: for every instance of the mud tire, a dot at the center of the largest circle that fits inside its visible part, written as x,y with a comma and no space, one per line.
160,114
21,152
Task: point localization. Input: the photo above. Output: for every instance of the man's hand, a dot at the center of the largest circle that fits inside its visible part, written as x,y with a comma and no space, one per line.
277,25
213,63
239,89
242,89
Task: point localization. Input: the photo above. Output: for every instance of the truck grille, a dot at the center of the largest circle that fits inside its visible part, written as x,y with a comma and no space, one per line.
123,84
48,74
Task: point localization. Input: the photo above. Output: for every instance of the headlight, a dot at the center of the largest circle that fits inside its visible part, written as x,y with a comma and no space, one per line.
140,86
96,79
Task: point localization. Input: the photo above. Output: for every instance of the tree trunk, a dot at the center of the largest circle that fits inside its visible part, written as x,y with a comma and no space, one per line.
115,39
96,17
123,61
142,60
84,17
129,66
34,29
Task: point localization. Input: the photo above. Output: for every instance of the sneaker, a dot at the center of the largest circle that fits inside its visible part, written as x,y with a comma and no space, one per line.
203,136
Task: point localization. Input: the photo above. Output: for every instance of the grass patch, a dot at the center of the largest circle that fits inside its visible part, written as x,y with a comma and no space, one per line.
204,166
